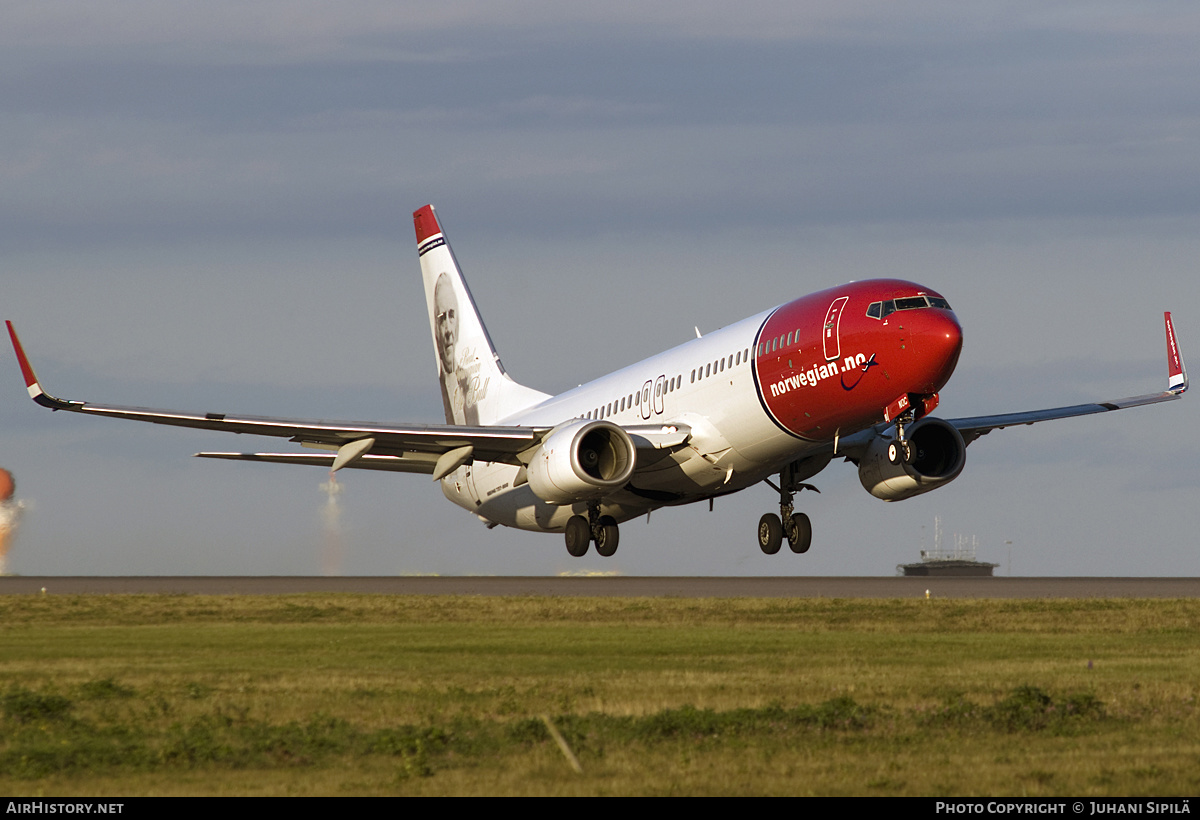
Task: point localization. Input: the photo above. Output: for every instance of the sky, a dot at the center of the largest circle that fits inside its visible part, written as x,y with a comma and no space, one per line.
206,206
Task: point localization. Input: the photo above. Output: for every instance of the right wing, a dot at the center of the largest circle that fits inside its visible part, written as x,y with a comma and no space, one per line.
434,449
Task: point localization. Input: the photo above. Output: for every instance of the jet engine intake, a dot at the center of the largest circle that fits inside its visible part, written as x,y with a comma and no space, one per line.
581,460
938,455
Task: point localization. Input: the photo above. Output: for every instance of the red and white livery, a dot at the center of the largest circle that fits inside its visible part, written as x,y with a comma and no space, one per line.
852,372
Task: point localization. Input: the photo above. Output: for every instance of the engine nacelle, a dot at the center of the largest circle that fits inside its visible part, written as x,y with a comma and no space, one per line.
581,460
938,456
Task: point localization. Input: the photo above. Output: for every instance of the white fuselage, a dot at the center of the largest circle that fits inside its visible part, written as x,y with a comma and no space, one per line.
733,443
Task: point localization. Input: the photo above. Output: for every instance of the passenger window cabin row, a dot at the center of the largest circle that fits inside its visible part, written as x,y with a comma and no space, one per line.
713,368
779,343
710,369
634,400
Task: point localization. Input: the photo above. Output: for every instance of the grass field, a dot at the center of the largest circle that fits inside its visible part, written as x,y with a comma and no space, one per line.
358,694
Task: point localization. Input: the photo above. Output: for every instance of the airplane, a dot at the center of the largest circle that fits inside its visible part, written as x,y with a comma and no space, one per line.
852,372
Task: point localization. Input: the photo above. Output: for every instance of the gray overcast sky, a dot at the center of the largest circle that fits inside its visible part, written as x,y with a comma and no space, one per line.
206,206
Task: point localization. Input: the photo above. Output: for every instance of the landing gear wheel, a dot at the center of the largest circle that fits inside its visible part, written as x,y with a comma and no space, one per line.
799,533
770,533
578,535
606,536
899,451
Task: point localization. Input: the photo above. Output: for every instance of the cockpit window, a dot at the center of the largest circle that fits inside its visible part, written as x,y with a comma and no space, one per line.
881,310
878,310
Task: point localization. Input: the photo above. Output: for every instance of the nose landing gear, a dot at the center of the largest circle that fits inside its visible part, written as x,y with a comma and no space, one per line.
795,526
904,412
899,450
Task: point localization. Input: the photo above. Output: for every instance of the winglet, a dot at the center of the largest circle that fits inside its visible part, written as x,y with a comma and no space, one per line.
31,382
1177,380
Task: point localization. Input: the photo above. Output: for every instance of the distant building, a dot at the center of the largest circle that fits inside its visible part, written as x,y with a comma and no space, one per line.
947,566
960,561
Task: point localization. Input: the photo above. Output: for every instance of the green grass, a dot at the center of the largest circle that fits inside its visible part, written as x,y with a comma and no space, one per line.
357,694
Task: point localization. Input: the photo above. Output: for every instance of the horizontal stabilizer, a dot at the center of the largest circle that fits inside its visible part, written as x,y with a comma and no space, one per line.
366,462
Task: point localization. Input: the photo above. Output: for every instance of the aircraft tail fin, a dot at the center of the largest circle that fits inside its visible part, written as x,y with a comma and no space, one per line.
475,388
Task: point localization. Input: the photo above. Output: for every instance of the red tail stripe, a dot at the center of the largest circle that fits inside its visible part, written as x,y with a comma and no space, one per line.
425,221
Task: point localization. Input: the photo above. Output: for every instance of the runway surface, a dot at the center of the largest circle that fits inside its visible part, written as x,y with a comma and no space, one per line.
614,586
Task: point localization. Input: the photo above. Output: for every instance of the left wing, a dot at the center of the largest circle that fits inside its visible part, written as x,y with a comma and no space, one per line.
1177,384
434,449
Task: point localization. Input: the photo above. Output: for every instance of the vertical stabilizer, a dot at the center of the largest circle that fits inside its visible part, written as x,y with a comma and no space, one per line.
475,388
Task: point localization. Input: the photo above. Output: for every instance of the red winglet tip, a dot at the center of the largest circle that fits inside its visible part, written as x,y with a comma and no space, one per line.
425,221
22,360
1176,373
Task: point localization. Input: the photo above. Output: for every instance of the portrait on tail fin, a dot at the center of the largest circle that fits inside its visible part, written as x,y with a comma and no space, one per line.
462,385
445,336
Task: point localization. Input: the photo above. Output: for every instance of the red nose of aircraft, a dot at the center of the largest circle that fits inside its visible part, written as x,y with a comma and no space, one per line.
937,337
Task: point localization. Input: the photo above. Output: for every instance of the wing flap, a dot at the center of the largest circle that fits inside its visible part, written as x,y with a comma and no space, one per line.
658,436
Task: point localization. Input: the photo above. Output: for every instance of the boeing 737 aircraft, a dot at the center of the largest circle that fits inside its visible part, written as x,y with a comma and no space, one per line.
852,372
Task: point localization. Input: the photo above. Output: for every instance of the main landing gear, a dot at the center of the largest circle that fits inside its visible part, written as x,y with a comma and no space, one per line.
795,526
582,531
